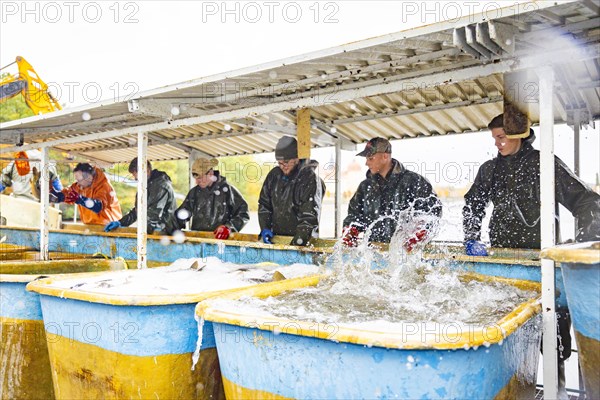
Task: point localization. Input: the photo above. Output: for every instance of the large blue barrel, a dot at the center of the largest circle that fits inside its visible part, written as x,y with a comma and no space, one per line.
580,264
265,357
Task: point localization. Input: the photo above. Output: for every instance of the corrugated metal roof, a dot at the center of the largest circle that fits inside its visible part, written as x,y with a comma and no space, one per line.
436,80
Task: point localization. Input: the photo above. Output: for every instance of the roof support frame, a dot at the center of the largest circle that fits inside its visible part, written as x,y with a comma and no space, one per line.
416,110
296,102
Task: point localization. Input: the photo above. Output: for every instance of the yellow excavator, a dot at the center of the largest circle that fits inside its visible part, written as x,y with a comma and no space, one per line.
30,85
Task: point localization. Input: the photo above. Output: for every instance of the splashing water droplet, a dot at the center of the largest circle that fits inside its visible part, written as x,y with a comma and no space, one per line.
183,214
178,237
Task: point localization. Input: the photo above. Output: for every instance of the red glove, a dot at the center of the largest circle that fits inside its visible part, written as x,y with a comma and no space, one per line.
350,238
72,195
417,237
222,232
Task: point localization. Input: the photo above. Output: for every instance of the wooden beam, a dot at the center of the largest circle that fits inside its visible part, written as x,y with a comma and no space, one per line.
303,132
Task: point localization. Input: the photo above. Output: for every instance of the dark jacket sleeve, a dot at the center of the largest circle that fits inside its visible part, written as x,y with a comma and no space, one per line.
309,208
582,201
239,210
355,208
426,199
131,216
159,201
476,201
265,205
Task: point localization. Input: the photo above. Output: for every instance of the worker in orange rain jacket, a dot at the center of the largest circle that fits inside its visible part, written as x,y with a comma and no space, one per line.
93,194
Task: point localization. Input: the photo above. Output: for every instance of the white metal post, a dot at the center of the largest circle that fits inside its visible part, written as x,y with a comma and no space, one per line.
576,156
142,200
547,178
44,204
338,188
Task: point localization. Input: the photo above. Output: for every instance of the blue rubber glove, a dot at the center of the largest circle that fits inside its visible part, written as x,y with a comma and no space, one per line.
112,225
266,235
2,187
60,196
56,185
475,248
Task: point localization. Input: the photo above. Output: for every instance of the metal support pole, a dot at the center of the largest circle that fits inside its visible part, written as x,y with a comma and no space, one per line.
546,80
142,200
44,204
338,189
576,156
191,160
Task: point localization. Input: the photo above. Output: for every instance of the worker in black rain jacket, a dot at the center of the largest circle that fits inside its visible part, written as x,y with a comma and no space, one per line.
511,181
291,197
388,190
213,205
161,203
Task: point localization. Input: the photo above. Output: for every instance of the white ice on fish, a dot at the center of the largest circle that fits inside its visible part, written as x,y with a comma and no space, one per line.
183,277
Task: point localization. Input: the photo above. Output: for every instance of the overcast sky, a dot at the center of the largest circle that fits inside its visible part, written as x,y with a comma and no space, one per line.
87,51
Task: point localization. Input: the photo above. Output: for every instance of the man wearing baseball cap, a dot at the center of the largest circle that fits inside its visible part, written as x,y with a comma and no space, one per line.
388,189
213,205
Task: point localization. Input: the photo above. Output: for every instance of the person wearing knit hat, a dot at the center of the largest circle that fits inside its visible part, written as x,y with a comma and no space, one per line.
389,190
511,182
213,204
291,196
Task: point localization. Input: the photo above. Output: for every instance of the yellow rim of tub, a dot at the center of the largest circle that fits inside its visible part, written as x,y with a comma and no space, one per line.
497,255
43,286
12,272
584,253
390,339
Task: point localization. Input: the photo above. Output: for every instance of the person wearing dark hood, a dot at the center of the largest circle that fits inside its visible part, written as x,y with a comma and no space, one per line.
511,181
213,205
388,190
291,196
161,203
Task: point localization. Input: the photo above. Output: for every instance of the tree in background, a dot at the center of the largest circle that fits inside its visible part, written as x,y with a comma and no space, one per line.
247,174
14,108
